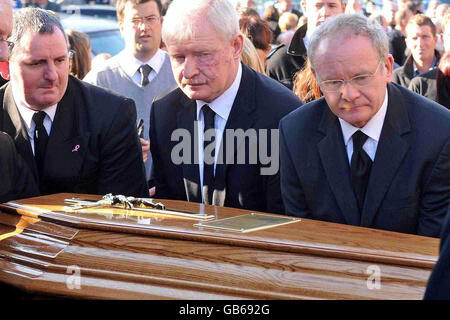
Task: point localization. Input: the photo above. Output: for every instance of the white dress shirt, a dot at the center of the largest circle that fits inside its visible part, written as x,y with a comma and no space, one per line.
27,116
131,65
222,107
372,129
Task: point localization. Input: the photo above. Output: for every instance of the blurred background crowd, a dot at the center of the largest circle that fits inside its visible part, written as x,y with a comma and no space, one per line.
269,27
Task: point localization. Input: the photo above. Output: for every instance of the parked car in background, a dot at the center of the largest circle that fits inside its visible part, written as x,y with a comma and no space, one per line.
103,33
99,11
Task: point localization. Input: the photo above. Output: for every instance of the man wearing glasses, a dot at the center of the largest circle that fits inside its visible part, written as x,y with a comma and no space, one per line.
74,137
142,70
369,153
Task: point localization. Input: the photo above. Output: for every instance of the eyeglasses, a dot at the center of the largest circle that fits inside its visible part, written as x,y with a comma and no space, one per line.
358,81
150,20
9,44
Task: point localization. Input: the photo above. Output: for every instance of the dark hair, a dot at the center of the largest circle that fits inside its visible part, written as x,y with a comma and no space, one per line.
35,19
81,61
249,12
120,7
271,14
257,30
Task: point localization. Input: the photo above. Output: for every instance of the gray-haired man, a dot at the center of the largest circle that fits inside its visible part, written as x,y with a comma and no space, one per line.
364,154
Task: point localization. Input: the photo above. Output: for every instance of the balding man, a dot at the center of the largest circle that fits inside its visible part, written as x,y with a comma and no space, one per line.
369,153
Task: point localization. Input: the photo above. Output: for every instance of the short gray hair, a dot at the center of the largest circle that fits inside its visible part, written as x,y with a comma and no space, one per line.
349,25
35,20
182,14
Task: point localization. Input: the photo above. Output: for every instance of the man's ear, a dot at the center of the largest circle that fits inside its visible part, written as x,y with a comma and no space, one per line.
238,45
389,65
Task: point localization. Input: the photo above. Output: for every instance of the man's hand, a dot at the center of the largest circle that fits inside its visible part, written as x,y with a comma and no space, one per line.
145,149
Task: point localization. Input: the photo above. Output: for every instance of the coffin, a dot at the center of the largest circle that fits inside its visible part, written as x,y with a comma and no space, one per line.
114,253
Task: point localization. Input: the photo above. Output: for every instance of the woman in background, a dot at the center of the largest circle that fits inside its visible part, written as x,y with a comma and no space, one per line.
80,63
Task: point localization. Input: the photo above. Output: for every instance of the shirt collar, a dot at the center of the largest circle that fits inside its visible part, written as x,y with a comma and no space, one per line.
222,104
371,129
131,65
416,71
27,113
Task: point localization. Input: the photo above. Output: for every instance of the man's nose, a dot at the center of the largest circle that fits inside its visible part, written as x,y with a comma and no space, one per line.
349,91
190,68
50,72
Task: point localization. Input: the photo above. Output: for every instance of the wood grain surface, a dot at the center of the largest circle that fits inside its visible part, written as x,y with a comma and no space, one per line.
119,254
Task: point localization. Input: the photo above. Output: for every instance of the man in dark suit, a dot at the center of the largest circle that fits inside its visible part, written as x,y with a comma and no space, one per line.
283,62
438,287
369,153
16,181
421,40
223,95
74,137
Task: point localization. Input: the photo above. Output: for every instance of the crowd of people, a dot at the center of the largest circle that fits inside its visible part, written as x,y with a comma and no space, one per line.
336,113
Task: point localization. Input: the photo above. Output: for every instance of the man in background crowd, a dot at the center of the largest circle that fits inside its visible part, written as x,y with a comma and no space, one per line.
421,41
142,70
286,60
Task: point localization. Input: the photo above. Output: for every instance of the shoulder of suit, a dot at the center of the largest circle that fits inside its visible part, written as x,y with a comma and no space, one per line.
168,98
94,91
6,141
308,114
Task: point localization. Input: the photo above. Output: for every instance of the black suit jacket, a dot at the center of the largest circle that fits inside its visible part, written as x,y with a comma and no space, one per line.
260,104
409,184
16,180
93,145
397,46
438,287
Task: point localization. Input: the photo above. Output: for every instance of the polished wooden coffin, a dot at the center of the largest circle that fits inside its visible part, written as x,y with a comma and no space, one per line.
115,253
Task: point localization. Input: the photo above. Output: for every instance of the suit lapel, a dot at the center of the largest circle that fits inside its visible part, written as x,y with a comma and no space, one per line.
335,162
186,118
14,126
240,118
391,150
66,146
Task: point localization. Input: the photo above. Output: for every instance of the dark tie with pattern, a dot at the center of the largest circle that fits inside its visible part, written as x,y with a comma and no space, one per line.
208,169
360,167
145,70
40,140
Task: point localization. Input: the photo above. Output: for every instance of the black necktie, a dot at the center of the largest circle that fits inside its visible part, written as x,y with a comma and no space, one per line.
40,140
145,70
208,169
360,167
